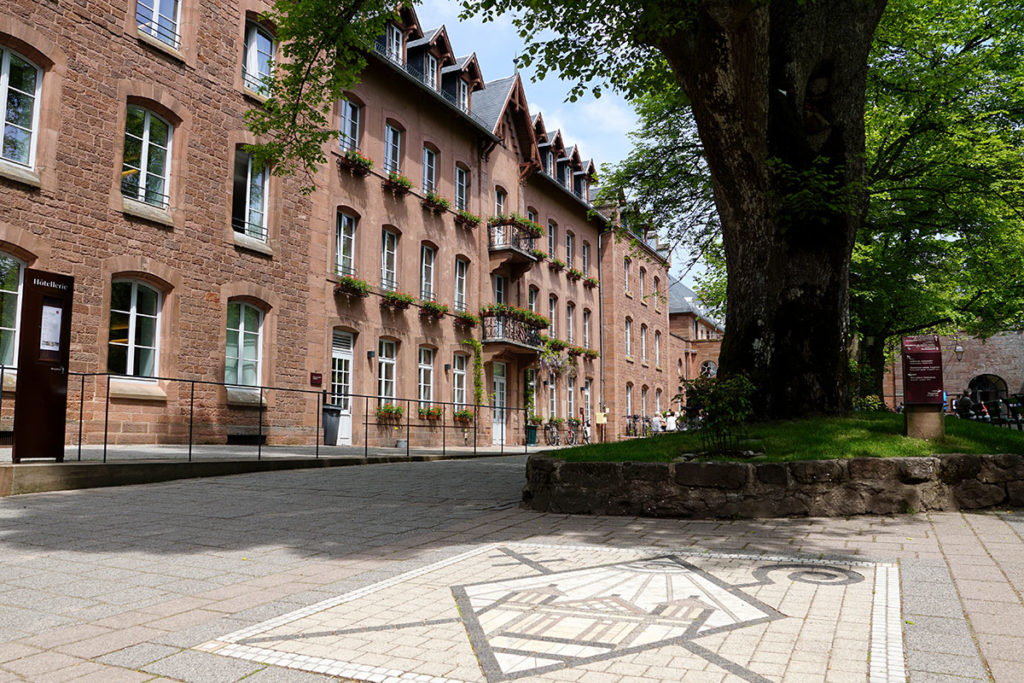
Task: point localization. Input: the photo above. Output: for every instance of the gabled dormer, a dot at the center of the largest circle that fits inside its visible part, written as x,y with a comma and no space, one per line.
544,145
426,56
460,80
584,179
397,34
502,106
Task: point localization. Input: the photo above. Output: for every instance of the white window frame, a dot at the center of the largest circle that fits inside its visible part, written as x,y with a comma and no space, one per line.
5,87
253,79
394,44
625,268
570,313
657,401
153,26
429,170
552,239
569,243
143,169
241,332
350,125
387,353
133,316
657,349
585,256
643,401
461,275
629,337
16,330
430,69
461,188
642,289
499,201
388,260
463,97
552,398
345,244
459,365
552,313
629,399
586,328
532,299
425,376
428,257
256,229
643,342
392,149
570,397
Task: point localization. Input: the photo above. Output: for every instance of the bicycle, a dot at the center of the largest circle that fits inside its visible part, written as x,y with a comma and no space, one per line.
585,432
570,434
551,434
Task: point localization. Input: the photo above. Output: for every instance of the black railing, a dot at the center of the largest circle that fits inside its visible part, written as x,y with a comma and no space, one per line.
504,328
345,270
427,294
132,190
253,230
510,237
388,285
256,83
161,27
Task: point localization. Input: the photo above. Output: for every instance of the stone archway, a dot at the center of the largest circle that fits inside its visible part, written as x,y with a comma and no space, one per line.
988,388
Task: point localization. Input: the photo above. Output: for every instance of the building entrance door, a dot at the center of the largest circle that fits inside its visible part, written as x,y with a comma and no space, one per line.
341,383
499,403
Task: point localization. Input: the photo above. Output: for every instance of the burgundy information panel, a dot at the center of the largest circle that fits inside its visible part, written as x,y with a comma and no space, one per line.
922,370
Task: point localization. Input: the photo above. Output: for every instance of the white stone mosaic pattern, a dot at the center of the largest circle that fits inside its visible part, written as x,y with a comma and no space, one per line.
519,610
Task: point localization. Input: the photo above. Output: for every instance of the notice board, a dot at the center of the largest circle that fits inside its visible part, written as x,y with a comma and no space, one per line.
922,370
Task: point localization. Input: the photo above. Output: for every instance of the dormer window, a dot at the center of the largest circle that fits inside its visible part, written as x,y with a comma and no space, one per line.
463,100
394,44
549,163
430,72
567,178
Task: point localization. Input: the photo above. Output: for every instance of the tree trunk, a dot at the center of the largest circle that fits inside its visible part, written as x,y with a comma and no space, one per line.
777,90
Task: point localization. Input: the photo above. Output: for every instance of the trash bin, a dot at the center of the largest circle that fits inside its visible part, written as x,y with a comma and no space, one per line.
531,435
332,420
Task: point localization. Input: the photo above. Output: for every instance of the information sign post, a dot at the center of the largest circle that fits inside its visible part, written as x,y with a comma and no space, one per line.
922,388
41,399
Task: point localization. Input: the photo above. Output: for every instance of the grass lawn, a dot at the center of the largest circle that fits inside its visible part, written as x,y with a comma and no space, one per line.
877,435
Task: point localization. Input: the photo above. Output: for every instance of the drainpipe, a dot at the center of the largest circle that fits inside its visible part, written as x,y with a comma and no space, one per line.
600,310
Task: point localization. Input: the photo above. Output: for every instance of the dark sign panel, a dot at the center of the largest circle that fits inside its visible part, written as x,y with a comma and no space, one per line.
316,379
922,370
41,399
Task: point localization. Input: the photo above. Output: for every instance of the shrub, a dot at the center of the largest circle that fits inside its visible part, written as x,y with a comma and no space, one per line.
723,405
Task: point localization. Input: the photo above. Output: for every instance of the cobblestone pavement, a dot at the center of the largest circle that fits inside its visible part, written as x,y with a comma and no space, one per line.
430,571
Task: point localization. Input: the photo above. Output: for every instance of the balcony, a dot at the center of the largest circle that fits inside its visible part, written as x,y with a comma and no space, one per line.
510,334
511,244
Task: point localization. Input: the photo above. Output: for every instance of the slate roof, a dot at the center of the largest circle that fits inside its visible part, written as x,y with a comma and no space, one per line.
489,102
682,299
427,37
459,65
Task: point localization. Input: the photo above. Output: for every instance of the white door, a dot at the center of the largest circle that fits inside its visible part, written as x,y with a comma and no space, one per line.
341,383
499,404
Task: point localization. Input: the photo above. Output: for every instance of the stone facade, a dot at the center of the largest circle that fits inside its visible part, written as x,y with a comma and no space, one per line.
66,211
820,488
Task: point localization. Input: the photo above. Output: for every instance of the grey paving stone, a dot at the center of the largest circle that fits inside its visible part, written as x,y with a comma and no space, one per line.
925,640
194,635
202,667
137,656
275,674
954,665
932,605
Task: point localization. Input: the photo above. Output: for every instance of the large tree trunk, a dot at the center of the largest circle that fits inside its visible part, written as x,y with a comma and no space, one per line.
777,90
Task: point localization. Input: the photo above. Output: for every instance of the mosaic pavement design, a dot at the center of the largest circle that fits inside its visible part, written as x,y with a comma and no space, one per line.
513,611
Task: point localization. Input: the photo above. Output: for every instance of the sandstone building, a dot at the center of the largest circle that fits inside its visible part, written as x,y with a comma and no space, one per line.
209,289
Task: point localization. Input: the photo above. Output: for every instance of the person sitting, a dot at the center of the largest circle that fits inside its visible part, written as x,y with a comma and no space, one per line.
670,422
964,407
656,423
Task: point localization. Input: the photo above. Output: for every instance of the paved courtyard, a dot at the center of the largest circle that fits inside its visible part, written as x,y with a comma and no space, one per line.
431,572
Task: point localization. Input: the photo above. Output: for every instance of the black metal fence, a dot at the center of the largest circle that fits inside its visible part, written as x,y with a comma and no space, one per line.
499,328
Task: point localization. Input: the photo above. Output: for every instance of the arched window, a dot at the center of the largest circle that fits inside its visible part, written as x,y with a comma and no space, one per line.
258,56
552,313
351,124
387,354
643,343
657,349
629,337
552,238
570,313
243,359
12,273
499,200
629,399
21,84
533,298
159,18
643,285
345,243
461,187
134,341
392,148
145,168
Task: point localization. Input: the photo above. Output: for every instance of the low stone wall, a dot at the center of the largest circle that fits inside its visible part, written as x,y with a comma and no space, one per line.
829,488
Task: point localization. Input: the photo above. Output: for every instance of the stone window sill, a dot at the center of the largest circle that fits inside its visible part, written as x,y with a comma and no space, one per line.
629,294
10,380
253,95
137,390
252,244
161,45
644,364
132,207
629,359
245,396
20,174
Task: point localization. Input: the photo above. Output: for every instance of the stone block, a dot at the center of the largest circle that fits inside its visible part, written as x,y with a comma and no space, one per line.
816,471
916,470
1015,493
646,471
719,475
590,475
772,473
872,469
1002,468
971,494
954,469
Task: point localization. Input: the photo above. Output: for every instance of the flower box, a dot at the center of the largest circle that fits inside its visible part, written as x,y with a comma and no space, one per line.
465,415
536,420
539,254
355,163
436,203
432,309
590,282
467,319
555,344
590,354
389,412
525,224
352,286
574,274
516,313
396,300
431,413
397,183
576,351
556,264
466,219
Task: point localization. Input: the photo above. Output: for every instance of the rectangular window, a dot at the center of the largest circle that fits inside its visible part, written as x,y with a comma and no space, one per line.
20,88
570,313
426,377
461,269
500,283
249,201
643,285
552,409
461,187
570,397
345,244
427,255
629,399
629,337
657,349
430,72
459,380
11,280
569,243
147,153
549,163
386,352
625,268
259,54
429,170
533,299
552,314
134,329
643,401
552,239
463,95
244,344
341,369
349,126
388,252
586,329
585,255
499,202
394,44
392,149
531,215
159,18
643,343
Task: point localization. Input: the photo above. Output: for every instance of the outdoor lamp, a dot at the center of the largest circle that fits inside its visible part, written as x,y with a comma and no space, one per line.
447,367
370,355
959,351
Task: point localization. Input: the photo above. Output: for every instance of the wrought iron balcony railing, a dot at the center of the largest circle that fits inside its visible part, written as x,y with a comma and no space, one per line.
509,237
504,328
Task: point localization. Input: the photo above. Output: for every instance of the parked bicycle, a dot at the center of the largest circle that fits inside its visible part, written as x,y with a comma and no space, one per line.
551,434
585,432
570,433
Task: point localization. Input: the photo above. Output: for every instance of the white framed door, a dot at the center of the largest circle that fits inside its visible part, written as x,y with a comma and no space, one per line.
341,383
500,390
